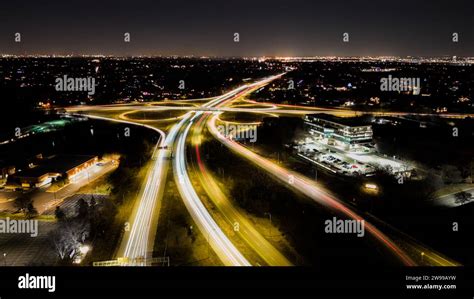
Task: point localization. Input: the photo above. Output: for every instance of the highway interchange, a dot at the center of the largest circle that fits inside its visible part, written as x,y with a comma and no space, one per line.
137,243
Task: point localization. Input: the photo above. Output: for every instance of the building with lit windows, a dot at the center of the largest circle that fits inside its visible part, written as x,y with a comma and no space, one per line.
70,167
349,134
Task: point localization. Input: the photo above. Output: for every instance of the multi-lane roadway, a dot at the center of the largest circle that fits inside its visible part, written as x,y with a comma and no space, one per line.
138,242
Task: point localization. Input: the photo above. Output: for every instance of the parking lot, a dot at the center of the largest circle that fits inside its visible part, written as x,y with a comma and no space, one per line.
348,163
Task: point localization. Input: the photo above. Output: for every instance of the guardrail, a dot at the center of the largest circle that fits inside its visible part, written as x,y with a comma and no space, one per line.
120,262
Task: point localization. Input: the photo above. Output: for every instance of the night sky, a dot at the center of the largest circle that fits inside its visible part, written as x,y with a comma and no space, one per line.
278,27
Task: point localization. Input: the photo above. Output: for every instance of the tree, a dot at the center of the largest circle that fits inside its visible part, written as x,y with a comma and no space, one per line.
462,197
22,202
59,214
92,207
82,208
451,174
68,238
31,211
93,201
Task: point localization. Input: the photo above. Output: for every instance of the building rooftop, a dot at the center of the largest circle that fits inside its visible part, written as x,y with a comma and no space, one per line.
55,164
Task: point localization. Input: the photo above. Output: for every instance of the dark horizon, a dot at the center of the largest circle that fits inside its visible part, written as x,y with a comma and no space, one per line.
267,28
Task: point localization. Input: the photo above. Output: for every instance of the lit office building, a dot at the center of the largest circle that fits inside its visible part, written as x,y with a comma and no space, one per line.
350,134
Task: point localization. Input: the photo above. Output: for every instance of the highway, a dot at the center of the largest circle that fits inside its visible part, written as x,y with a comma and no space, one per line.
139,240
246,231
307,187
411,250
222,246
273,109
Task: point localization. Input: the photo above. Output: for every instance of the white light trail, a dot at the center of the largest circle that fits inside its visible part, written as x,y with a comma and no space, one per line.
223,247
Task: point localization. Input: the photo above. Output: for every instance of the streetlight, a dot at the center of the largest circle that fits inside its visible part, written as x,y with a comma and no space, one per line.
5,258
422,255
84,249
